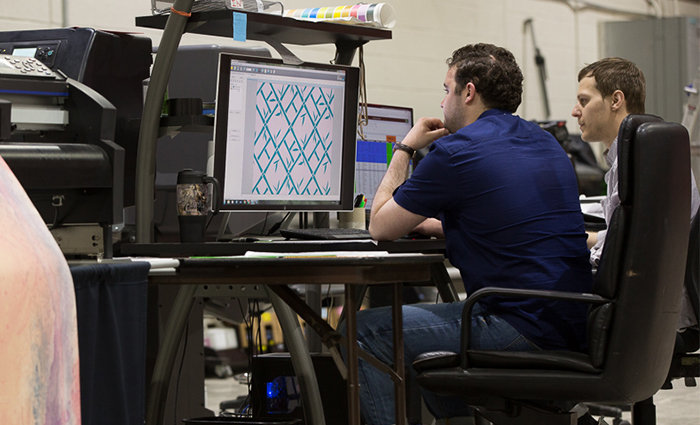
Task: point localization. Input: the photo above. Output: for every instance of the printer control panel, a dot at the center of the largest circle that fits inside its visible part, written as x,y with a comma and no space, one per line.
24,67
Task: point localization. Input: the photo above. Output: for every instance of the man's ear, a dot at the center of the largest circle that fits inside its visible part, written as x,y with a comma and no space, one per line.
618,100
469,92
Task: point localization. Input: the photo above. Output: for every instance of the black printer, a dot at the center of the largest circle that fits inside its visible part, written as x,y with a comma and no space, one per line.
61,149
75,97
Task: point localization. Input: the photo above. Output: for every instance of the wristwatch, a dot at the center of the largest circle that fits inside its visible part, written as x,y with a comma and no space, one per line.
398,146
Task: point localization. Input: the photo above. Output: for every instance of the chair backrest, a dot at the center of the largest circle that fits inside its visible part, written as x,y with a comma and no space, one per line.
643,262
611,264
692,268
688,341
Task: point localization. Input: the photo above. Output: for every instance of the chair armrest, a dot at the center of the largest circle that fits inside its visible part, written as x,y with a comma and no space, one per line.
517,293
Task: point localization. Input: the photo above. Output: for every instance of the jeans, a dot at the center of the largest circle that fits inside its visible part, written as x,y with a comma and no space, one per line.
427,327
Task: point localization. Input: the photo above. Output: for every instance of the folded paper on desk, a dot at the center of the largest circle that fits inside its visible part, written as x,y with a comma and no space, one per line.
380,15
158,265
594,209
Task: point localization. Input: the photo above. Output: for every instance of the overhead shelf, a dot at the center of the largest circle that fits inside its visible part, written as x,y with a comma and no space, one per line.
263,25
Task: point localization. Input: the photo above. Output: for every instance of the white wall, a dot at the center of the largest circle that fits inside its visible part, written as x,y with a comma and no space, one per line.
409,69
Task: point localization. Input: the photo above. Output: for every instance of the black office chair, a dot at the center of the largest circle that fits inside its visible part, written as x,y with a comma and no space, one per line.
634,304
685,363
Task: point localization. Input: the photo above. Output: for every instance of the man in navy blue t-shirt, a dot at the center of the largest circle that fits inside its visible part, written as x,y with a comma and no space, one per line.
503,194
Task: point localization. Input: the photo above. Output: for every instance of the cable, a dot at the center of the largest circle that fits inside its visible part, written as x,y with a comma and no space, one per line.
582,5
55,219
275,227
656,5
249,322
210,220
57,203
258,334
540,63
362,118
179,371
262,231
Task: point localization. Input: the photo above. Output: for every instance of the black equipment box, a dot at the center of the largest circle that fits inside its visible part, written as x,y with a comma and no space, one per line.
275,389
113,64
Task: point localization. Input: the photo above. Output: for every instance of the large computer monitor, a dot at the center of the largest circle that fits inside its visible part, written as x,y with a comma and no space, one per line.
386,125
285,135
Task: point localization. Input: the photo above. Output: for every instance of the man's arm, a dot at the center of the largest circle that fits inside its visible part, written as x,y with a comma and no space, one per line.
388,220
430,227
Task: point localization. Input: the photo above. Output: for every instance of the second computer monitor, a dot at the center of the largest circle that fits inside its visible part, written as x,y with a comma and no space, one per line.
386,125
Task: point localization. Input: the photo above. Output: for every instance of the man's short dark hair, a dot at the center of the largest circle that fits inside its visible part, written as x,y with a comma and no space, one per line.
618,74
493,71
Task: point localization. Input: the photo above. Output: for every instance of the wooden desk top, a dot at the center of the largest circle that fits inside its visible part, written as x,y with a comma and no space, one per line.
308,270
173,249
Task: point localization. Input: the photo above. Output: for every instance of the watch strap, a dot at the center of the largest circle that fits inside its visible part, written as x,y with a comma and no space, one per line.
401,147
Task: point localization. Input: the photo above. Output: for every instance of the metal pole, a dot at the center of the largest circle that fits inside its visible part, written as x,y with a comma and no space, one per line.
353,367
312,295
399,367
160,382
539,61
150,119
301,360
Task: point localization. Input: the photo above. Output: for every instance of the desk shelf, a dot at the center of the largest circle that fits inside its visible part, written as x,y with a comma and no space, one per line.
262,25
259,26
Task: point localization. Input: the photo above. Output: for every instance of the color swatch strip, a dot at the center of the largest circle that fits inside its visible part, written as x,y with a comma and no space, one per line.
379,13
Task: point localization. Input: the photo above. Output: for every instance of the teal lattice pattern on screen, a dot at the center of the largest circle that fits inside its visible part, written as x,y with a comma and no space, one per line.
293,139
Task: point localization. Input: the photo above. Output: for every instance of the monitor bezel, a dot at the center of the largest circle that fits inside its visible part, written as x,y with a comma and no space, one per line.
414,161
391,107
347,177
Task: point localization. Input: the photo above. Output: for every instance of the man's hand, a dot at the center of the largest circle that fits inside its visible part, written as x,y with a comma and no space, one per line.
430,227
424,132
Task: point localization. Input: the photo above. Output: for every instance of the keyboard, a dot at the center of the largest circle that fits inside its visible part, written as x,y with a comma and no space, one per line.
325,234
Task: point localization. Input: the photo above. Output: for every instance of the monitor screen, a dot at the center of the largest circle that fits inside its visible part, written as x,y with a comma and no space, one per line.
386,125
285,135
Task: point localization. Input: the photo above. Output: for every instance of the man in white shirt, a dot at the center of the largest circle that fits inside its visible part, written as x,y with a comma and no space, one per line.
609,90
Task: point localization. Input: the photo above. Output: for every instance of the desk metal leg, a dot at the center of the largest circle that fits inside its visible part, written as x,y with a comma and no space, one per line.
313,299
177,322
301,360
352,301
441,279
353,371
400,384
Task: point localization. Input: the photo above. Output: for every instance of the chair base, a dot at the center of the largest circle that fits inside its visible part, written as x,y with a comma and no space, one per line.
524,414
644,412
613,413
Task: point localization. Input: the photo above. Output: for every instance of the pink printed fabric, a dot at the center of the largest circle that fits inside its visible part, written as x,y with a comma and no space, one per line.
39,370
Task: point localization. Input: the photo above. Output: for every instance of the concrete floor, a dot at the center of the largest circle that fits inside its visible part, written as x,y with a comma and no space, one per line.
679,406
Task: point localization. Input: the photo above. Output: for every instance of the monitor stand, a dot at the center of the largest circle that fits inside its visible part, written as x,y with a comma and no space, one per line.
256,223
